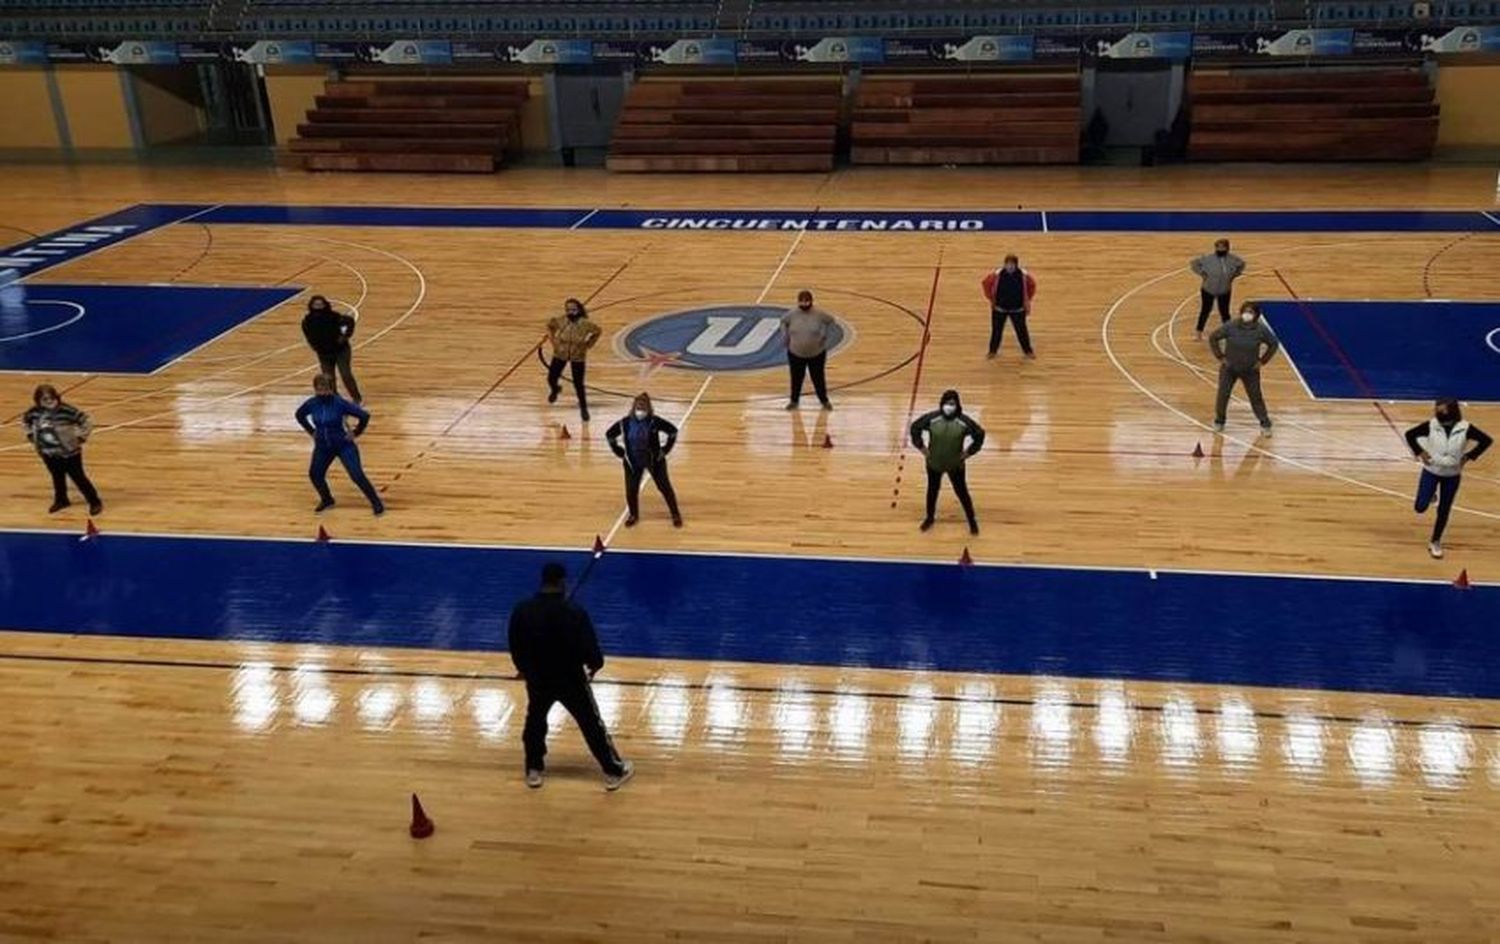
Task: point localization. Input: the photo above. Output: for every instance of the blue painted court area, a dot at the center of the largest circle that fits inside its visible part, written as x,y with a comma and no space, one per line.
1353,635
54,249
123,329
1392,350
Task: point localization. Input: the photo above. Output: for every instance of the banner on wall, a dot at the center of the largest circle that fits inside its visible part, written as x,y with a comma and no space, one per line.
1016,48
23,53
1144,46
691,52
552,52
409,52
275,52
841,49
1307,42
139,52
1462,39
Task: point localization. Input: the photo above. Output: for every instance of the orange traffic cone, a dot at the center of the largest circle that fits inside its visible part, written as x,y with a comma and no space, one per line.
827,441
323,535
598,546
1198,451
421,825
966,559
89,531
1462,582
565,434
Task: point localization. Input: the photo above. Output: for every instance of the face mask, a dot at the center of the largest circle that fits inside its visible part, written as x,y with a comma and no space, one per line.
950,408
805,306
641,414
1221,253
1247,316
574,315
1444,416
1010,267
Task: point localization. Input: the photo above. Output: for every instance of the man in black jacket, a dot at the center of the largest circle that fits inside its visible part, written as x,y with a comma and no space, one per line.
328,334
554,648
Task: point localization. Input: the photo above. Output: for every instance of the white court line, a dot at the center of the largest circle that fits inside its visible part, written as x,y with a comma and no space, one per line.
756,555
1109,351
681,424
6,339
784,260
1491,217
586,218
1044,222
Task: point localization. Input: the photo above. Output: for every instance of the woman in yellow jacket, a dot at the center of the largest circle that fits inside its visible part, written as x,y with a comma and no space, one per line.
572,337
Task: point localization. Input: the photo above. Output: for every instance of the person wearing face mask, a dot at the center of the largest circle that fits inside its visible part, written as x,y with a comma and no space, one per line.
58,431
643,452
328,334
806,332
946,428
1010,290
572,337
1442,443
1218,270
322,418
1237,347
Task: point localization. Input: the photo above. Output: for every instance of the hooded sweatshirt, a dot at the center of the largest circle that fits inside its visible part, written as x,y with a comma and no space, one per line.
327,331
1218,272
946,434
1237,344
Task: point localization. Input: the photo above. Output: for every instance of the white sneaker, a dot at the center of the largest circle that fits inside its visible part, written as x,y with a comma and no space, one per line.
1436,550
614,783
533,779
1266,430
1218,427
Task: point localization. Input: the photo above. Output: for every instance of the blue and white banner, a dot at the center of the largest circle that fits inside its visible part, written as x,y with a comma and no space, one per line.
1146,46
552,52
411,52
1463,39
692,52
22,53
139,52
1307,42
276,52
842,49
1017,48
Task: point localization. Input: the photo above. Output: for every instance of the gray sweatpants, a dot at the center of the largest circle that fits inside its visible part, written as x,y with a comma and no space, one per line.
1251,380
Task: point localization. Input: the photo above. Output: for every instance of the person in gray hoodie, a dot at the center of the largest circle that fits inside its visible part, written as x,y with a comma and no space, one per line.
1218,270
1237,347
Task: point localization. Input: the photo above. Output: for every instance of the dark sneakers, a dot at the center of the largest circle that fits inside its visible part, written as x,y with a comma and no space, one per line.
323,506
96,507
59,506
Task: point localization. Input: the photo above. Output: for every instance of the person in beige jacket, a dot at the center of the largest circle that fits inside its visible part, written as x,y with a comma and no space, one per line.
572,337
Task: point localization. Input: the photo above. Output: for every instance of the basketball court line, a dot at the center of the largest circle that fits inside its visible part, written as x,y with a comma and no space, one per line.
916,382
1491,217
905,695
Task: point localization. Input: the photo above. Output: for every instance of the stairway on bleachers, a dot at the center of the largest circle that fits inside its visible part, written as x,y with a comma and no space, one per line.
984,119
704,124
1312,114
462,126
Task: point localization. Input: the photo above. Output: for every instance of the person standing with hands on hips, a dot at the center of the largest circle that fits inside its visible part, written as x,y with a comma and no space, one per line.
572,337
1218,270
322,418
807,331
1442,443
1237,347
328,334
947,427
644,452
1010,290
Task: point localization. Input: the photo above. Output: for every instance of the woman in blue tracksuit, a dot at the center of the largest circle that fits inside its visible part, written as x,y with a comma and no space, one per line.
322,417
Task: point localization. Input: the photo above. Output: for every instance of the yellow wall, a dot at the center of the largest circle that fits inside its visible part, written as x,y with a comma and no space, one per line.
95,106
291,90
1468,95
29,122
166,97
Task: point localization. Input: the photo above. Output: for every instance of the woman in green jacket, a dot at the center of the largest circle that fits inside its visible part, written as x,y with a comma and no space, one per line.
947,428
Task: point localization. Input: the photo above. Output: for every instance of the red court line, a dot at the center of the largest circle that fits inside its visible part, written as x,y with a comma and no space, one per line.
916,381
1365,390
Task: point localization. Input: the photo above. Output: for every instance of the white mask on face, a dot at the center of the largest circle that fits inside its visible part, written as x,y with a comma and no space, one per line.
641,414
949,409
1247,316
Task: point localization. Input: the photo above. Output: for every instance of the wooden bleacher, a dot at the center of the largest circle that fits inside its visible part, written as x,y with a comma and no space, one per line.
407,125
984,119
727,125
1312,114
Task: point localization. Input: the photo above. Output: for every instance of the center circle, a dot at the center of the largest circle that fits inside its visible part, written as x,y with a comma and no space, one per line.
717,338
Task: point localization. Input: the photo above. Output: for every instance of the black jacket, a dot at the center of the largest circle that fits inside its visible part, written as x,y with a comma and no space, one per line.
328,331
552,641
655,448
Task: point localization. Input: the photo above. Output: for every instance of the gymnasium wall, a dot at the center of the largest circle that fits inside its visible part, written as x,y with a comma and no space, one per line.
169,102
1468,94
28,110
95,104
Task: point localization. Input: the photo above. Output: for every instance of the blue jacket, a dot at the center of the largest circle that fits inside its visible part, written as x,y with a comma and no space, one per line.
323,419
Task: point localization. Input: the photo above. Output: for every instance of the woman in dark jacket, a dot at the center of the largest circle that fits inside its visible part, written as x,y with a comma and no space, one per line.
947,428
322,418
644,452
328,334
58,431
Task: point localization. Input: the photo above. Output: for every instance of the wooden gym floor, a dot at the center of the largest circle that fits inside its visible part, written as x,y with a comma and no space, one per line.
195,790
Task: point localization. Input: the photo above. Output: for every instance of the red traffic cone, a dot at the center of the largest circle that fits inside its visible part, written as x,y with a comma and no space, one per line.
421,825
565,434
965,559
1462,582
89,531
598,546
1198,451
323,535
827,441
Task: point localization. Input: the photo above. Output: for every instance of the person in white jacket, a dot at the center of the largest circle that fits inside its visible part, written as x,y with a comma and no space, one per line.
1442,443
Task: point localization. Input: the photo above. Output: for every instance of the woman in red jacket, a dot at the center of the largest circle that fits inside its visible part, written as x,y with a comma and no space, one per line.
1010,290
